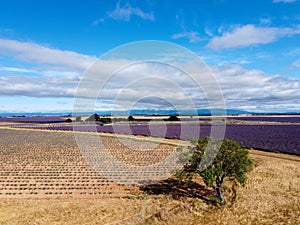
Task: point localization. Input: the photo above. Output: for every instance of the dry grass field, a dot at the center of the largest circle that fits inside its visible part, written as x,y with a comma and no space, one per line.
45,180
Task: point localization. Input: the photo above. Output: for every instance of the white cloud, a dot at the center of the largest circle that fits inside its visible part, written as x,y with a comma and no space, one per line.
98,21
265,21
125,12
247,35
48,72
16,69
242,88
41,55
246,89
284,1
293,52
295,65
18,85
192,36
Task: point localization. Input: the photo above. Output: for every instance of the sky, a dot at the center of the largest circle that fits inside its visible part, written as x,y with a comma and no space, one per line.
48,48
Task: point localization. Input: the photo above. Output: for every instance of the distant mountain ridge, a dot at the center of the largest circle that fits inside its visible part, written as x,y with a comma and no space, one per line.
199,112
146,112
134,112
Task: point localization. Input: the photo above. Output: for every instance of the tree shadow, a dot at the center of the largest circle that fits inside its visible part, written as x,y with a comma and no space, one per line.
178,190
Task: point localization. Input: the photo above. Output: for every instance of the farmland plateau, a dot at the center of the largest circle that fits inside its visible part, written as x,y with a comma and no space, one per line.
44,178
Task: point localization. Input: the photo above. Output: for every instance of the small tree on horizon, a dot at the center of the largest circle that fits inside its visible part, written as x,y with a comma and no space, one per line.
217,160
173,118
130,118
69,120
94,117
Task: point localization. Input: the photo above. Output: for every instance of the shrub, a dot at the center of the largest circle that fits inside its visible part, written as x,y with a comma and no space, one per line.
69,120
173,118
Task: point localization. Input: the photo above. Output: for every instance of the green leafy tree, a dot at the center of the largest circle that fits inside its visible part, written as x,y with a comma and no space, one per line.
69,120
105,120
173,118
130,118
94,117
217,160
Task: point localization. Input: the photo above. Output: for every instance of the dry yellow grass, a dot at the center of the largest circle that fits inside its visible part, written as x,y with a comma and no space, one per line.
270,197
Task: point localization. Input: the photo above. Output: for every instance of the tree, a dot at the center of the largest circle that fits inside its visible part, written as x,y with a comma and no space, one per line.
173,118
130,118
217,160
69,120
105,120
94,117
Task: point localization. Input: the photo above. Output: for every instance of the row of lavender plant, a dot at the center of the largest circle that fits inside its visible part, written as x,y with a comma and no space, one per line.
282,138
285,119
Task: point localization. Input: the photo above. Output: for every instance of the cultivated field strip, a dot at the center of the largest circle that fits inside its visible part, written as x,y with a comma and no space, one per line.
38,164
278,137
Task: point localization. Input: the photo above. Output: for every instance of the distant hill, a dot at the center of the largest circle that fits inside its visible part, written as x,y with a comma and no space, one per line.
145,112
134,112
151,112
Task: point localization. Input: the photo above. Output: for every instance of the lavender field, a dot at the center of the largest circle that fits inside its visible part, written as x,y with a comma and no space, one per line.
36,119
280,119
269,137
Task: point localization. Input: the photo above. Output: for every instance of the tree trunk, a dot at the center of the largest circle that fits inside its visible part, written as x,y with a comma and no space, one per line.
219,193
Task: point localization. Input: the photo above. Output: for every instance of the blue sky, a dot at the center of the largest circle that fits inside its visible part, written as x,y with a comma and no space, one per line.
252,47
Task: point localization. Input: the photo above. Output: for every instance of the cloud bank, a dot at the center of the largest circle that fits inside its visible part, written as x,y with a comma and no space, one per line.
57,74
242,88
45,56
249,35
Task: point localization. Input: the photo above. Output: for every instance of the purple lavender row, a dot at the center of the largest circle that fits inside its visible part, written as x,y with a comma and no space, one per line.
282,138
38,119
291,119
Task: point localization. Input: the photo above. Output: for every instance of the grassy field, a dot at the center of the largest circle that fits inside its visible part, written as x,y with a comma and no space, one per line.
271,196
